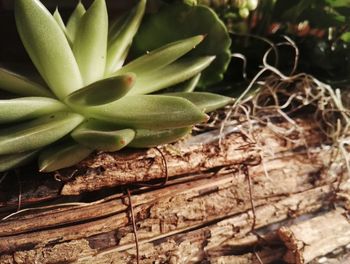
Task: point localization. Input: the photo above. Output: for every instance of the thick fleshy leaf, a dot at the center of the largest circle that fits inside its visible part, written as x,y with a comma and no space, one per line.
207,102
62,155
151,138
102,92
90,44
11,161
38,133
58,18
47,46
178,21
120,38
149,111
74,21
191,84
101,138
18,84
186,86
25,108
172,74
161,57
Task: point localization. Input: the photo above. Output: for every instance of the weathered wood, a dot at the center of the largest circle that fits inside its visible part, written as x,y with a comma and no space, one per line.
181,206
316,237
194,155
203,242
202,213
197,154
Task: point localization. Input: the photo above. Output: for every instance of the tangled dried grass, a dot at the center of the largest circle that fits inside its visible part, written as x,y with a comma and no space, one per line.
274,98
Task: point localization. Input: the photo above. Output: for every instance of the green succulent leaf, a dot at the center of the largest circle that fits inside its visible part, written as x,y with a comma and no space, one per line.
206,102
121,36
95,136
90,44
62,155
96,104
25,108
150,112
47,46
59,20
187,86
179,21
161,57
37,133
172,74
146,138
102,92
74,21
8,162
18,84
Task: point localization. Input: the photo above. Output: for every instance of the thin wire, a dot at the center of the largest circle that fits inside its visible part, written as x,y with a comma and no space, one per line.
132,216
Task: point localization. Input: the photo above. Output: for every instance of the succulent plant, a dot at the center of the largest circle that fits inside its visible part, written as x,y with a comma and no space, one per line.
91,100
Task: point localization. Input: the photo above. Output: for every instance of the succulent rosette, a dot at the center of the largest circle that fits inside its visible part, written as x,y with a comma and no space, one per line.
91,99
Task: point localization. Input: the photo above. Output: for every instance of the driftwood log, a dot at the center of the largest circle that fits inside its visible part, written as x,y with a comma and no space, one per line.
231,197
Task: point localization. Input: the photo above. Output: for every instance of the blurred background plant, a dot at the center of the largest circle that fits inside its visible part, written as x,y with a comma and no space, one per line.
319,28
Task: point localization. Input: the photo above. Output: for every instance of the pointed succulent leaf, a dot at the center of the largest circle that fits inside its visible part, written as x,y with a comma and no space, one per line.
47,46
172,74
191,84
151,138
62,155
178,21
18,84
161,57
58,18
90,44
74,21
11,161
120,38
206,102
25,108
38,133
186,86
102,92
149,111
96,137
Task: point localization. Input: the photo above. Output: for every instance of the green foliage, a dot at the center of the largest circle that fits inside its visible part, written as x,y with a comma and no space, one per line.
91,100
319,28
179,21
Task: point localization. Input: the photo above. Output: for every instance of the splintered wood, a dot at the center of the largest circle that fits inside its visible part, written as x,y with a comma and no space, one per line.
202,214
